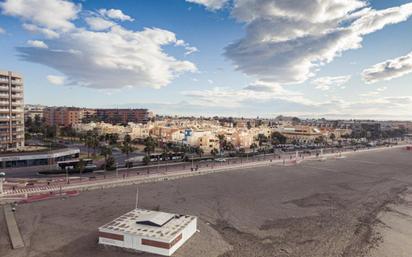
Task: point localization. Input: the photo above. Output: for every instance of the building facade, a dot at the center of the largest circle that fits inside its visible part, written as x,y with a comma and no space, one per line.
66,116
124,116
31,111
11,111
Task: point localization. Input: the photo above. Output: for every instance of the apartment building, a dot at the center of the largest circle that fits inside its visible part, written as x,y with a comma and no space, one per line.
11,111
33,110
63,116
124,116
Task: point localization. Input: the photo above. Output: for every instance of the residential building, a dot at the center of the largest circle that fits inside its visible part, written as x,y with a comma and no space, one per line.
124,116
33,110
11,111
63,116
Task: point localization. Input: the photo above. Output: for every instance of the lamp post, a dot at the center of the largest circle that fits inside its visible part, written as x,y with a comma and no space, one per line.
2,178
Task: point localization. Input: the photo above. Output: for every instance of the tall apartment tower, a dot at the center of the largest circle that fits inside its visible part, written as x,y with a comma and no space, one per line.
11,111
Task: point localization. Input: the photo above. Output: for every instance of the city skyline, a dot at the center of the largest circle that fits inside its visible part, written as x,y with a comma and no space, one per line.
217,57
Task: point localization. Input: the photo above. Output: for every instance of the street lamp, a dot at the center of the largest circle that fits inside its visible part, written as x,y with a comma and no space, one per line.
2,178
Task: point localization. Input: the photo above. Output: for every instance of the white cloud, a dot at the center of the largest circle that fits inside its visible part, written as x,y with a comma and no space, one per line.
49,14
112,59
103,56
210,4
190,50
255,94
2,31
115,14
56,80
37,44
48,33
388,69
278,33
326,83
98,23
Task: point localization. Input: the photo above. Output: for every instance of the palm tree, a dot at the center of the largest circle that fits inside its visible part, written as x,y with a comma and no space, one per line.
253,146
88,141
278,138
199,151
262,138
150,145
94,142
106,151
126,147
222,141
214,152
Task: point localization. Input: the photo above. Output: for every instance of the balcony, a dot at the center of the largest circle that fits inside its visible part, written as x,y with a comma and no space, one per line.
16,89
17,110
16,103
4,88
17,82
17,96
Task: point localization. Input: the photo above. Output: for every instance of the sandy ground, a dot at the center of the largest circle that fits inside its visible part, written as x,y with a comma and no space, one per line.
395,229
331,208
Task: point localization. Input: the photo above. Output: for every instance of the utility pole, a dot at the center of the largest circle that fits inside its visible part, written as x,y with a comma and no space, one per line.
137,196
1,185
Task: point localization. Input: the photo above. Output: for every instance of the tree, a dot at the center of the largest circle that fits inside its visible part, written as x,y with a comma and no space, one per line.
253,146
150,145
91,141
278,138
146,160
214,152
229,146
262,139
222,141
332,137
80,166
127,147
29,124
106,151
199,151
249,126
113,138
110,163
319,140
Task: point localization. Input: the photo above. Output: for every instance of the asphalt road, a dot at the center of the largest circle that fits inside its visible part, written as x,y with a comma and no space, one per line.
318,208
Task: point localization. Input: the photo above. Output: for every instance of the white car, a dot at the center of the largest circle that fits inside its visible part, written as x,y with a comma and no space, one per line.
2,174
220,160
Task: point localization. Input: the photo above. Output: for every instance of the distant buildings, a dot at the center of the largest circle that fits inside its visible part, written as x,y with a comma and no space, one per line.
33,110
123,116
66,116
11,111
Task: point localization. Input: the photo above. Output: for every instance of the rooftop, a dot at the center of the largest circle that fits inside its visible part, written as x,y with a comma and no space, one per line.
147,223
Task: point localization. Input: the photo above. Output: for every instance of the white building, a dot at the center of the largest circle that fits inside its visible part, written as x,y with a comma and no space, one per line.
149,231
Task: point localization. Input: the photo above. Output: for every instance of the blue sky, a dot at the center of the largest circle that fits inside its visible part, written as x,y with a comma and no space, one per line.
214,57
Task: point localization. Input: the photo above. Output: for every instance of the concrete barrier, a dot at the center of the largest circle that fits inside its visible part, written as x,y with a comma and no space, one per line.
14,232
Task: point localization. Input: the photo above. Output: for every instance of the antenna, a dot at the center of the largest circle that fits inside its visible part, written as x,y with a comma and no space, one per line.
137,196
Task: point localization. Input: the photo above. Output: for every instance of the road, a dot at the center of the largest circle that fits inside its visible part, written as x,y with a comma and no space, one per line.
32,172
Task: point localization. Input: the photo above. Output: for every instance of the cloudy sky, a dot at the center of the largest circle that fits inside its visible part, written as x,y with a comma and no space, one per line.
314,58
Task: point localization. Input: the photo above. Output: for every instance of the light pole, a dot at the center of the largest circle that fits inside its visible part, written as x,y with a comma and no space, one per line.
2,178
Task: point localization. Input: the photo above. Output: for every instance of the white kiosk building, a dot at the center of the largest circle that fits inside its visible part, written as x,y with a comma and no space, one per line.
149,231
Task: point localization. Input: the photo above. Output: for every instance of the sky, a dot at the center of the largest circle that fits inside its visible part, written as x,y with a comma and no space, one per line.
347,59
